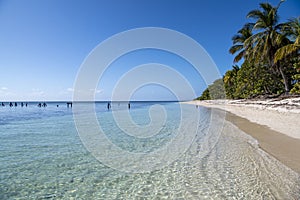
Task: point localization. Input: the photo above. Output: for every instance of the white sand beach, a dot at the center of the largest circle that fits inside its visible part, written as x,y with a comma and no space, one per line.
278,115
273,123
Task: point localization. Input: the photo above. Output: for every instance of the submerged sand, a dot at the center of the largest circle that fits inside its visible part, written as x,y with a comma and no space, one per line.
275,125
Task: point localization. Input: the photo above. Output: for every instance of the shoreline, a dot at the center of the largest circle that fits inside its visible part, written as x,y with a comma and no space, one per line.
284,147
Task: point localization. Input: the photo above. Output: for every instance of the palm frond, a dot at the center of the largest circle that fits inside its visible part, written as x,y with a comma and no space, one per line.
235,48
237,39
285,51
260,24
255,14
280,40
239,56
297,41
267,8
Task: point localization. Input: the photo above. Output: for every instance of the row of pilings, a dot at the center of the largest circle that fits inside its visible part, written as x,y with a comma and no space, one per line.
26,104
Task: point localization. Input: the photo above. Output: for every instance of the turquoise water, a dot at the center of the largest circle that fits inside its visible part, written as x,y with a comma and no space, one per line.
42,157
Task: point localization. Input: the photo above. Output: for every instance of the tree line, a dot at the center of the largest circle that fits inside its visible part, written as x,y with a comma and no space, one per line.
270,55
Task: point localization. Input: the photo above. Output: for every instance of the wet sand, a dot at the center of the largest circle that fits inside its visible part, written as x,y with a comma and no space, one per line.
282,145
284,148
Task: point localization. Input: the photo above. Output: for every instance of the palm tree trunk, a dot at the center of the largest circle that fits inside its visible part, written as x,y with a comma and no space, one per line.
285,81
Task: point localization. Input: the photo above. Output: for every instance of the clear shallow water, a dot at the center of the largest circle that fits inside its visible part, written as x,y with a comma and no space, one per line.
42,157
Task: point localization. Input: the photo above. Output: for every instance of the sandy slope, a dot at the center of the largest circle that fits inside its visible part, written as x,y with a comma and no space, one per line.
279,115
274,124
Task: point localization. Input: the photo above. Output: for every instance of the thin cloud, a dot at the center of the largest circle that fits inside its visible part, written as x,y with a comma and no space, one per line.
97,91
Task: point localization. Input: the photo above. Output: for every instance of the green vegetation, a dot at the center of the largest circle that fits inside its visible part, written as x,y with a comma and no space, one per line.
214,91
270,55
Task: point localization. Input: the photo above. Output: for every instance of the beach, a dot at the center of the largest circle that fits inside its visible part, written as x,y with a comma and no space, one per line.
273,123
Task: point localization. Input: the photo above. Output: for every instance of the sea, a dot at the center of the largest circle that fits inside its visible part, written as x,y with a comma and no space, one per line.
152,150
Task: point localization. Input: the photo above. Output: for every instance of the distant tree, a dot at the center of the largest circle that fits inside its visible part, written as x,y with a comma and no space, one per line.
205,95
214,91
217,90
230,82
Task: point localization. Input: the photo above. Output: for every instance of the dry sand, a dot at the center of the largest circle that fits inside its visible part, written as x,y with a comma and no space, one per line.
274,124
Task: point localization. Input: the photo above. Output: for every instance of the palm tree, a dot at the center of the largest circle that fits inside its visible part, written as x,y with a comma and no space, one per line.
292,30
239,39
267,39
289,54
230,79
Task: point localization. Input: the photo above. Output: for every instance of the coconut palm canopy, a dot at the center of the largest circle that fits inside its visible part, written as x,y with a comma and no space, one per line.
269,53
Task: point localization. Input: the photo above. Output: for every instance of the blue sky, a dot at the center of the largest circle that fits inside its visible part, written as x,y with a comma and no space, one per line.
43,43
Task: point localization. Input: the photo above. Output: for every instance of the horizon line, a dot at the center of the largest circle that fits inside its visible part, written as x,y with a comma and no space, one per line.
85,101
